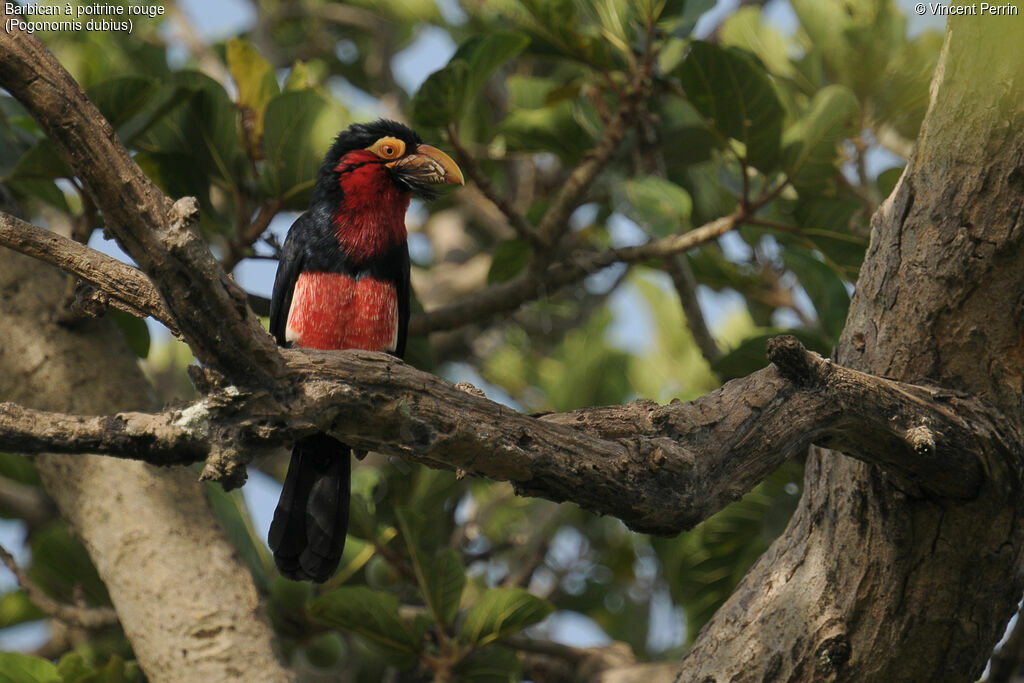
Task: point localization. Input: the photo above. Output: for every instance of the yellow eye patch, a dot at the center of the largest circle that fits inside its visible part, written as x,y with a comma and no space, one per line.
388,148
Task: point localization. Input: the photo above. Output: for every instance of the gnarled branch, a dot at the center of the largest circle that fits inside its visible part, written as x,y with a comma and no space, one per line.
660,469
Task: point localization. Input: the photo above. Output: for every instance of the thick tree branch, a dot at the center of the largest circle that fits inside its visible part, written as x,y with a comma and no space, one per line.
129,288
661,469
209,308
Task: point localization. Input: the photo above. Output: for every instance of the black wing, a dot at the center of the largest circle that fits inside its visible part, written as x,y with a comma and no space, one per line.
402,290
293,260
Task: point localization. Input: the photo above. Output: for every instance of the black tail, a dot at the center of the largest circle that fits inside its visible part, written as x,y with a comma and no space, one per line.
311,519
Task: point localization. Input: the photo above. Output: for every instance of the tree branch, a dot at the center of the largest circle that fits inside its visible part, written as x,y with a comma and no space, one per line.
467,162
129,288
678,268
209,308
660,469
508,296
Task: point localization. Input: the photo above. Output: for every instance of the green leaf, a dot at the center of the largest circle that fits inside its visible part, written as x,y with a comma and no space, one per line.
256,84
230,510
18,468
441,577
826,222
708,562
491,665
370,614
887,179
202,126
135,331
811,145
437,103
73,668
18,668
731,89
508,260
501,612
298,129
446,94
61,566
744,29
825,288
41,162
43,190
660,204
16,608
121,98
553,128
299,78
693,10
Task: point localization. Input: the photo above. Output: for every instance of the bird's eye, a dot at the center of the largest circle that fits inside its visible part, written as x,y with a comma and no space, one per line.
388,148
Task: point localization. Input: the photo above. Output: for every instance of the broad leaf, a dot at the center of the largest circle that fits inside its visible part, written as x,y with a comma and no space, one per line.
508,260
811,145
660,204
729,87
553,128
445,95
135,331
825,288
501,612
18,668
745,29
441,576
298,129
256,85
370,614
203,125
16,608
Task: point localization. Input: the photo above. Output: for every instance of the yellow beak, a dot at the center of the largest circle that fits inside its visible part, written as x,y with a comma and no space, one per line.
431,165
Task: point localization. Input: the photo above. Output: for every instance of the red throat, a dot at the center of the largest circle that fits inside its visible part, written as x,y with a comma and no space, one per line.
371,218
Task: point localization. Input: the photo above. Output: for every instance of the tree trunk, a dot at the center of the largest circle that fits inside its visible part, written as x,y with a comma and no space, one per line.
185,600
873,581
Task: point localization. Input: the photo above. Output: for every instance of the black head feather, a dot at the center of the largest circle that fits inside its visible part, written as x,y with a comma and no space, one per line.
358,136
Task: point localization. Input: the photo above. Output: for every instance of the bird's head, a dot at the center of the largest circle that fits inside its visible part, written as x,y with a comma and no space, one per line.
381,158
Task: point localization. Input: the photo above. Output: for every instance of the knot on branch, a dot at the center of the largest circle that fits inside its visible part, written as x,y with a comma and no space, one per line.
470,389
797,364
226,466
183,213
921,439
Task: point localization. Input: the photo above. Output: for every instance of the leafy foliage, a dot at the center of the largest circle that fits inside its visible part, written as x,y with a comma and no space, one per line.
442,574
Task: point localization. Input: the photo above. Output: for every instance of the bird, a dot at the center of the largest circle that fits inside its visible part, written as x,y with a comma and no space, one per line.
343,283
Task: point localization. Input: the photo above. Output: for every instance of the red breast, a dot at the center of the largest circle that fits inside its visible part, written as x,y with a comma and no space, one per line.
334,311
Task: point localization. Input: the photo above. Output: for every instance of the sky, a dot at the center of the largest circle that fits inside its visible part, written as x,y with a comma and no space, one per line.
431,50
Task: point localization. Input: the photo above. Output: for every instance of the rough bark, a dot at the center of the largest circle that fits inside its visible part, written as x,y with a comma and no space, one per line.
185,600
660,469
872,582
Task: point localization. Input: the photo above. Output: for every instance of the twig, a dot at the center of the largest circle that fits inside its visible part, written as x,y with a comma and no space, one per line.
508,296
678,268
159,234
129,288
82,617
250,233
468,163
